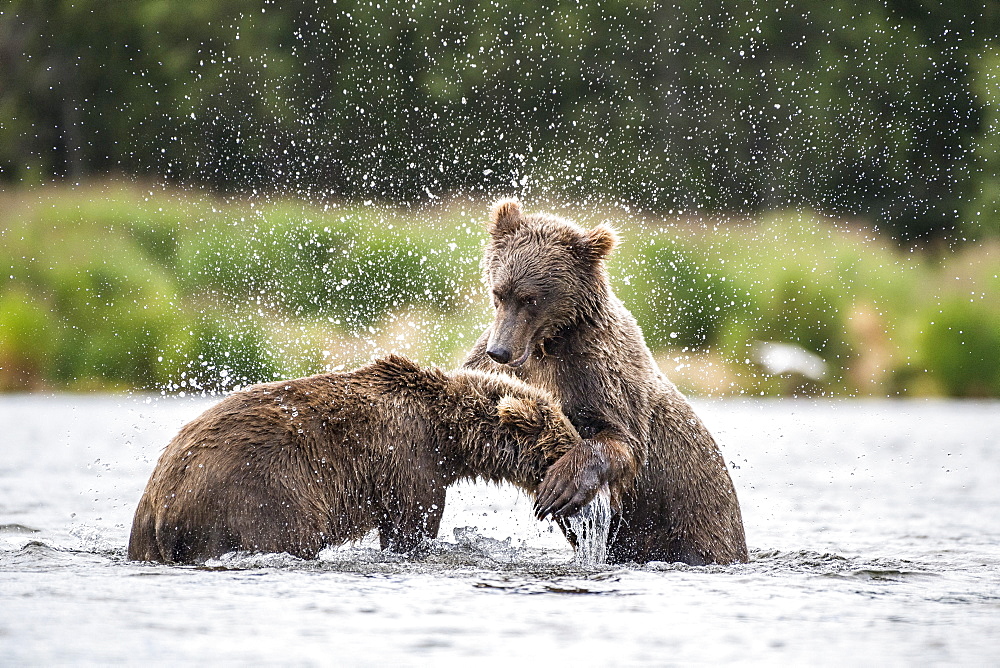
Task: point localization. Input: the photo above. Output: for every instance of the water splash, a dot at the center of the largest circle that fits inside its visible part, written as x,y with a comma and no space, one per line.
252,560
591,526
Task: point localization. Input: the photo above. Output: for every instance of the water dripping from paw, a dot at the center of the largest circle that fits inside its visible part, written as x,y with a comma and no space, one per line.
591,526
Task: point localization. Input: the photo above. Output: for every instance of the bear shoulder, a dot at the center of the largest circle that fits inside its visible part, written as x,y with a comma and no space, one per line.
394,374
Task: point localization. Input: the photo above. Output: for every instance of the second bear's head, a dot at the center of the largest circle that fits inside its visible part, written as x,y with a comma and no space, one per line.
545,274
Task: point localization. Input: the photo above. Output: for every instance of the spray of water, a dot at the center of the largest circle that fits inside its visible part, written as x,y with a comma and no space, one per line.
591,526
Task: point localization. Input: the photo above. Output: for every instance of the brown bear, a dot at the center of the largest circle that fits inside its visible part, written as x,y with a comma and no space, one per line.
295,466
559,326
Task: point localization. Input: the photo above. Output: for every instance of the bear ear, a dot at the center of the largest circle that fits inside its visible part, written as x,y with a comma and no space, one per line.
505,217
525,415
597,243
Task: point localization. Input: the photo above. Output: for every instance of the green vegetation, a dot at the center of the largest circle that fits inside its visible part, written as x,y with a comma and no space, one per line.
885,320
882,109
122,287
117,287
886,111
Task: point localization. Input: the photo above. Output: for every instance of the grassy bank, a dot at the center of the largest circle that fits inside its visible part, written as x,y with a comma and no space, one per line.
113,286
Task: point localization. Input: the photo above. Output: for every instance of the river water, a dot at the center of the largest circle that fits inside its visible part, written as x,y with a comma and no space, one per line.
874,529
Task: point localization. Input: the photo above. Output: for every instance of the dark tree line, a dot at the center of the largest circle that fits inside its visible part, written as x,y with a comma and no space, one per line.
735,105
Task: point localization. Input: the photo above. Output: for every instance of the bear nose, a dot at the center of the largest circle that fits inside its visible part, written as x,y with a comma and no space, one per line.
499,354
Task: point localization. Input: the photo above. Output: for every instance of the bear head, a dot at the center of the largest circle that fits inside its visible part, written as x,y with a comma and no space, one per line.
544,274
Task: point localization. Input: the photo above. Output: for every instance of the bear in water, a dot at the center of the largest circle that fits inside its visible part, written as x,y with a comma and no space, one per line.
559,326
295,466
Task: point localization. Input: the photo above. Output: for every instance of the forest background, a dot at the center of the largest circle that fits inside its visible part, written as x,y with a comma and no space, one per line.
196,195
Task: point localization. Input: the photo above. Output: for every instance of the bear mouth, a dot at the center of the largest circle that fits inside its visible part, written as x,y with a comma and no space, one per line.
522,359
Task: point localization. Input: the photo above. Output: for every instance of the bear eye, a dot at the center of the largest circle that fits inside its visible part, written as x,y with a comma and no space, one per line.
531,301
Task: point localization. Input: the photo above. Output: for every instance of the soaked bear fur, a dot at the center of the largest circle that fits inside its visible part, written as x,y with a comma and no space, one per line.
298,465
559,326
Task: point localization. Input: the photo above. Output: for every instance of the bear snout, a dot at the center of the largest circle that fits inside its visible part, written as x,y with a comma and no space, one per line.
511,340
498,353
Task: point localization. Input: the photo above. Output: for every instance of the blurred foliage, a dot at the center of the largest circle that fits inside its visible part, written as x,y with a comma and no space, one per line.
118,286
885,320
983,207
884,110
112,286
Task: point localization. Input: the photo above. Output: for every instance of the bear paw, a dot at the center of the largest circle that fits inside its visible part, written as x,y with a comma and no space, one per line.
572,482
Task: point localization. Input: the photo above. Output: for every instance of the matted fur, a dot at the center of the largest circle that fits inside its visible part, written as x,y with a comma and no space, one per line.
298,465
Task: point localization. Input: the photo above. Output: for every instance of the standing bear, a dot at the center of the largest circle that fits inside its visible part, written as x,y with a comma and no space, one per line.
559,326
298,465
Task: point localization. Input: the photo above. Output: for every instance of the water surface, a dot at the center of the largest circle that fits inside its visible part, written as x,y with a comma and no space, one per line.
873,528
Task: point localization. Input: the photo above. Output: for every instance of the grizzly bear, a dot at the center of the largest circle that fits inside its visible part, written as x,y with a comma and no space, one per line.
559,326
295,466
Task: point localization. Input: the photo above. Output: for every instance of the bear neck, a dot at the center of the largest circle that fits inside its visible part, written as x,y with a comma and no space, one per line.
598,309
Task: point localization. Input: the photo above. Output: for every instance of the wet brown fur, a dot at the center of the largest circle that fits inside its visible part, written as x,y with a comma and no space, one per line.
298,465
555,309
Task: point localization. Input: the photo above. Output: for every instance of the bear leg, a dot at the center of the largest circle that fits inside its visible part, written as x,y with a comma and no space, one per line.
142,544
405,524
